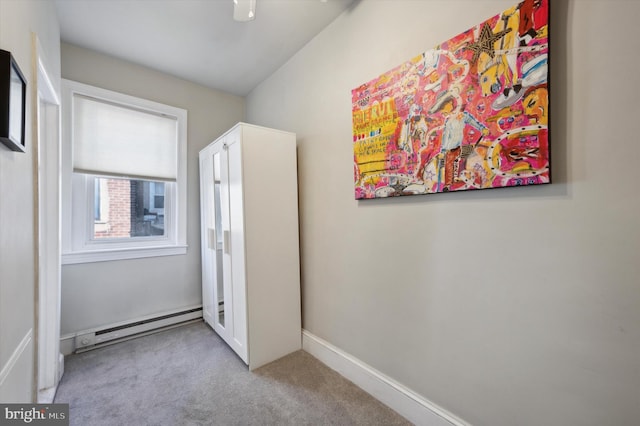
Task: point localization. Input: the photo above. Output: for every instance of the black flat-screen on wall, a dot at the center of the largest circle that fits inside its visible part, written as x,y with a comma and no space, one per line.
13,97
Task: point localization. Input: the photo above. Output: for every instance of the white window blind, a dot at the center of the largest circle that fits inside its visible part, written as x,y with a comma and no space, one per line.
117,140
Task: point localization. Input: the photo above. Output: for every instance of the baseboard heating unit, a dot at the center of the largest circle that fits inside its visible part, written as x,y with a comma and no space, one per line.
92,339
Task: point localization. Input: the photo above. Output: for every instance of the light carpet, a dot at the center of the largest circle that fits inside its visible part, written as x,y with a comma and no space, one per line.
189,376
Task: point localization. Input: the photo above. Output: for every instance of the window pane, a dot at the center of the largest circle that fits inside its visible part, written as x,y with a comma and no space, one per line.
126,208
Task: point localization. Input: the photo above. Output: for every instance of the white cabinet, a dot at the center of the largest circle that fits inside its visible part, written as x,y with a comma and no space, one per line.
250,257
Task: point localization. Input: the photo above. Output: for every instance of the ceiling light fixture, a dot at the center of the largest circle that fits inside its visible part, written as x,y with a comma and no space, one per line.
244,10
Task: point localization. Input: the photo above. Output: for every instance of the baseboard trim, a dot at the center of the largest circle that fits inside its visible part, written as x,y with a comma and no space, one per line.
403,400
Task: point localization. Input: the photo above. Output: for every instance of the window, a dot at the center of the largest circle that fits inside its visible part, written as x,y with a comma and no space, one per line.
125,208
124,176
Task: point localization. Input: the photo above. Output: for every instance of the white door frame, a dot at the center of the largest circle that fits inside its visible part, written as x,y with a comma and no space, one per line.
49,362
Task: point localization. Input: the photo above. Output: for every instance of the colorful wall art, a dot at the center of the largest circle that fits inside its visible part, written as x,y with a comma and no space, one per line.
472,113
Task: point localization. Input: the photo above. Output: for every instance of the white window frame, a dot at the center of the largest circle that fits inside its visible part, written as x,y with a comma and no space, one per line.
78,244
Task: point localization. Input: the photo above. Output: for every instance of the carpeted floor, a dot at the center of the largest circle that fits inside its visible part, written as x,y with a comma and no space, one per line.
189,376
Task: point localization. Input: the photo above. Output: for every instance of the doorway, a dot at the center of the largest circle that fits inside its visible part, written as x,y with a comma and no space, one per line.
49,361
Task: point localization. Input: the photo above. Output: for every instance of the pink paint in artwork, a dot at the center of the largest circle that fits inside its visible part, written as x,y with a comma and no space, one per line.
472,113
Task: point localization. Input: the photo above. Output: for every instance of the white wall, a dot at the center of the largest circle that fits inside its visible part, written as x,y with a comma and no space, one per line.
18,20
103,293
506,307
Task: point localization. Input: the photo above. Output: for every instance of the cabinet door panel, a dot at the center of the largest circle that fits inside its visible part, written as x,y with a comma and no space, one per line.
208,256
217,284
237,249
223,288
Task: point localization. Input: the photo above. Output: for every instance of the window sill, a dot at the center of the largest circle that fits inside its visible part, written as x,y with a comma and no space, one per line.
121,254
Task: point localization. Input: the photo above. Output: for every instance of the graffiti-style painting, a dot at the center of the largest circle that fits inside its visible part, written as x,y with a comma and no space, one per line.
472,113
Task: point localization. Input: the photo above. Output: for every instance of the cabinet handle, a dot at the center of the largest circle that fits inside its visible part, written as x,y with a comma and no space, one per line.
225,241
212,239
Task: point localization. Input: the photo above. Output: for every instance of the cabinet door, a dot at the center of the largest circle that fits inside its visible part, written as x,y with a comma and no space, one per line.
217,283
224,295
238,293
206,236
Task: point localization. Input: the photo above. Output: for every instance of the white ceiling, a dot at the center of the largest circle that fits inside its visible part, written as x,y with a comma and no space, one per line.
198,40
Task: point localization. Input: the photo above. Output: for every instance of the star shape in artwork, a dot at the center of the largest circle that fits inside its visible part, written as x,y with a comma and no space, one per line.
485,42
429,175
